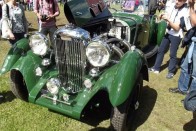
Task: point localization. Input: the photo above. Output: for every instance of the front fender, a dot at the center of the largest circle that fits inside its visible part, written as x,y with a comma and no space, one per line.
14,54
125,76
27,65
120,79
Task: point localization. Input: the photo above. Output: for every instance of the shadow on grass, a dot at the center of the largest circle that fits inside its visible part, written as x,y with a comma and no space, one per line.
151,61
100,129
7,96
94,116
60,25
148,100
191,125
32,29
179,61
164,66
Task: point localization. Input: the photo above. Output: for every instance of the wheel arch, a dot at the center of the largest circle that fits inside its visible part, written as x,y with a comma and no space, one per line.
119,88
28,70
14,55
18,85
134,63
101,97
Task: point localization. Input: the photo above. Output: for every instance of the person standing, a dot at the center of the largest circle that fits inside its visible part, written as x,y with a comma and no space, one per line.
172,37
47,11
129,5
15,13
1,4
30,5
187,79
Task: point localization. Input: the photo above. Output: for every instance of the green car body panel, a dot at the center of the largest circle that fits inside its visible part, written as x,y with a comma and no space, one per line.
131,19
27,65
14,54
129,66
118,87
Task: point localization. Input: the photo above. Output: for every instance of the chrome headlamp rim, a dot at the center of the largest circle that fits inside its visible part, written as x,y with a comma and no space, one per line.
53,85
42,37
106,47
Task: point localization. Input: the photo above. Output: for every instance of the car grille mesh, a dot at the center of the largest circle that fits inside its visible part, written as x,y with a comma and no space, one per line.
70,59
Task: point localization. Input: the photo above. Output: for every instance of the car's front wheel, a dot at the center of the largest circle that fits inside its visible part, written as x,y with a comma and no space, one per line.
122,115
18,85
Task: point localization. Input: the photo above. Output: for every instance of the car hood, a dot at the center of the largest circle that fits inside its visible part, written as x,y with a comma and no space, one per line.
84,12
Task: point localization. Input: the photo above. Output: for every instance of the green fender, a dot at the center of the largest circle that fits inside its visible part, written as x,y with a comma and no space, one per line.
40,84
27,65
124,77
14,54
119,80
162,25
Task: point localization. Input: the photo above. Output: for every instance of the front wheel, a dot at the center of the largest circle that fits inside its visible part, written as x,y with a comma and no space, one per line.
123,114
18,85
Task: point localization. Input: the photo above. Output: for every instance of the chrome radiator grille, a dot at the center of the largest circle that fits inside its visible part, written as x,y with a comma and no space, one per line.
71,60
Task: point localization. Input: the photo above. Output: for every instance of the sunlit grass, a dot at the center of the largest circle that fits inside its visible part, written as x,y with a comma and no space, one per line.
160,110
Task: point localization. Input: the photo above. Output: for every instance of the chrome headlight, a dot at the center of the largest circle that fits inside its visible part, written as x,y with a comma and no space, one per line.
53,85
39,44
98,53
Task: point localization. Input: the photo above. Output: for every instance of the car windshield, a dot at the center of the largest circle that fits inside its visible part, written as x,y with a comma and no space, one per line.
138,7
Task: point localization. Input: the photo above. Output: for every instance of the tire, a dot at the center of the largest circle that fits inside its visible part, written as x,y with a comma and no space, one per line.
122,116
152,7
18,85
152,52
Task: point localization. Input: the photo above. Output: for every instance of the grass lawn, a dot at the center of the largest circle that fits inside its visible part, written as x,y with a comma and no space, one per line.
159,110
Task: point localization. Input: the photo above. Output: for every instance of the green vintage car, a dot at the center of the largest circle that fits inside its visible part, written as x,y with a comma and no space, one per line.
97,62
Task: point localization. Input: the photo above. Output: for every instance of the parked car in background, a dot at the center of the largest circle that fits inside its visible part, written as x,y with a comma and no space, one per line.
97,63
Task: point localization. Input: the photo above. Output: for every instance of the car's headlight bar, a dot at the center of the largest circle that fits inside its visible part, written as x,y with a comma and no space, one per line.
98,53
39,44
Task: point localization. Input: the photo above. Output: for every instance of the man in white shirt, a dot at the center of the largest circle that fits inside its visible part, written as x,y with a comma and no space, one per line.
187,79
172,37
